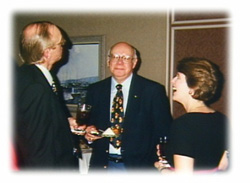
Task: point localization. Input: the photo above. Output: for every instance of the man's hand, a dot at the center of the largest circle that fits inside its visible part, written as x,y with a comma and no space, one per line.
90,131
78,130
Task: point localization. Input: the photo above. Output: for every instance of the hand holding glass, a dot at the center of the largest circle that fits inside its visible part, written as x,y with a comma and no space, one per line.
162,149
83,113
82,116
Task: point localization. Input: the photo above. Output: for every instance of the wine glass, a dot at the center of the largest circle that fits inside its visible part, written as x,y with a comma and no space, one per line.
162,150
83,113
82,117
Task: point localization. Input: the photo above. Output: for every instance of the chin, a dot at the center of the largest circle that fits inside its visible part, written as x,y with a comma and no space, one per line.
119,74
175,99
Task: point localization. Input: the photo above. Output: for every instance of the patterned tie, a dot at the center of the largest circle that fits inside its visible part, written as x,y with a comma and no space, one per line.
53,86
117,117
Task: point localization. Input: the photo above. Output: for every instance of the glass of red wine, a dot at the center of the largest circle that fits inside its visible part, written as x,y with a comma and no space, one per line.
162,150
82,117
83,113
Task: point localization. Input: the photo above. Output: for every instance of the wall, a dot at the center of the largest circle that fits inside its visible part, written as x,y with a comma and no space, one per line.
145,30
161,39
203,35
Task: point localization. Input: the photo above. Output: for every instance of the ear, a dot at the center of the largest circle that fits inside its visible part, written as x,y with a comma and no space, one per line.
47,53
135,62
191,92
108,62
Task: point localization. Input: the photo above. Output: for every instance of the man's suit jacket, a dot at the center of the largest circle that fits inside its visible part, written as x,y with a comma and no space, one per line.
42,134
147,118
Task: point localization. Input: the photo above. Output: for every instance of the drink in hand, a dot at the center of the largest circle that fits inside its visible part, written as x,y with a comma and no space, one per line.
162,148
83,113
82,116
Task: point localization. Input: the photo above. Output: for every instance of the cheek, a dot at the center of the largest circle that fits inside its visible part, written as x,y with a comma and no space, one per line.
60,51
184,89
111,67
181,88
130,67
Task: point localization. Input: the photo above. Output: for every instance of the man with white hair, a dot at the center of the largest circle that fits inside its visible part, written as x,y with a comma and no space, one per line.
42,135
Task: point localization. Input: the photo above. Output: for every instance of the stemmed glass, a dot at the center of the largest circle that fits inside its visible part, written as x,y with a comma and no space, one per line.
162,151
82,113
82,116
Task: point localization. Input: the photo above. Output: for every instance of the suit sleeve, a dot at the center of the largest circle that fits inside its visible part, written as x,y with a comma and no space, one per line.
35,124
90,101
161,113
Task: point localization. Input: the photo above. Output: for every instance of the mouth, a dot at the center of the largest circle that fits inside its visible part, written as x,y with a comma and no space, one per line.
174,89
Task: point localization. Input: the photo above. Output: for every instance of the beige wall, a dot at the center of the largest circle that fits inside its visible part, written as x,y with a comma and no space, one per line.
145,30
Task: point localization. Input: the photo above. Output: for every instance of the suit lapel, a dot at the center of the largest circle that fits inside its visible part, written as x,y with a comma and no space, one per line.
134,99
106,94
105,100
40,77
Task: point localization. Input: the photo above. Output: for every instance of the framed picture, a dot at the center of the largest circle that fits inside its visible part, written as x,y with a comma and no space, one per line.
85,65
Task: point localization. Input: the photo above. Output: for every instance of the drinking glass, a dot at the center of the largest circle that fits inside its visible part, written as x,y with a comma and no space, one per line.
82,117
83,113
162,149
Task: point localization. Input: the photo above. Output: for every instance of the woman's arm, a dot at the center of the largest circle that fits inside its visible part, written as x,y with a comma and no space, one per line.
183,164
224,162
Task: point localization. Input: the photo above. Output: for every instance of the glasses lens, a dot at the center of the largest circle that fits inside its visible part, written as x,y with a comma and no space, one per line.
124,58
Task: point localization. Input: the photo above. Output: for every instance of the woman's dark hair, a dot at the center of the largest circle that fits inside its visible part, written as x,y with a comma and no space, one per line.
203,76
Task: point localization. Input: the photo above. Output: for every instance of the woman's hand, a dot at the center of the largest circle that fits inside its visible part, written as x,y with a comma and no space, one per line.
162,167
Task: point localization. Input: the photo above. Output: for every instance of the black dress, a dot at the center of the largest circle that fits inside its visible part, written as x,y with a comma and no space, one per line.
201,136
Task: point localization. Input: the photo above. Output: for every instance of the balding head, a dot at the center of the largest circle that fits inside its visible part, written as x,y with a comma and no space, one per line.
122,60
35,38
123,44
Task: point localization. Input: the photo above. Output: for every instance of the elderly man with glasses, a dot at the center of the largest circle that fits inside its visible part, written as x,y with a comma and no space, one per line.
42,135
136,109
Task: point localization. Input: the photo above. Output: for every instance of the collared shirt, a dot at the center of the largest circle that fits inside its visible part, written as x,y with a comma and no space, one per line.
46,73
125,92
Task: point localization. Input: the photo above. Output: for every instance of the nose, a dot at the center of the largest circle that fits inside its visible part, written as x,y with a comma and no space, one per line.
173,80
120,60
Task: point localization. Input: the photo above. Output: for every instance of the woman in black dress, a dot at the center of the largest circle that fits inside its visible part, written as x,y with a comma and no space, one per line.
198,138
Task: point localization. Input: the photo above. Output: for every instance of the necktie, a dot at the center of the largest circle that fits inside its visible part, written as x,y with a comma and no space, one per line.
117,117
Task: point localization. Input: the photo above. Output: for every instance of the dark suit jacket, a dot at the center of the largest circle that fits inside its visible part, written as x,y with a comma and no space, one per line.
42,134
147,118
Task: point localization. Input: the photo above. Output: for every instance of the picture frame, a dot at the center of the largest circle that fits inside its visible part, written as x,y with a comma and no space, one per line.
85,65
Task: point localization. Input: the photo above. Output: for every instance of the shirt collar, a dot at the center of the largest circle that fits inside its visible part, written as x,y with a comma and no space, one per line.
46,73
125,84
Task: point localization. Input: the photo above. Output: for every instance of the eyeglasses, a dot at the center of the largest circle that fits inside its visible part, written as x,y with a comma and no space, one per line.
125,58
62,42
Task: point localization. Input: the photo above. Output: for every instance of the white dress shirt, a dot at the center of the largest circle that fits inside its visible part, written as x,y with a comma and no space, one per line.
46,73
125,92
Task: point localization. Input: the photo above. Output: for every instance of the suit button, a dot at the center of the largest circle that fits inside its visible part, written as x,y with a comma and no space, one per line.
105,167
107,151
